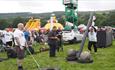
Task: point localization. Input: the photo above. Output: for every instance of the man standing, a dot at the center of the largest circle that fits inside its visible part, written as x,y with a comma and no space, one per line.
92,38
52,41
20,43
60,46
8,38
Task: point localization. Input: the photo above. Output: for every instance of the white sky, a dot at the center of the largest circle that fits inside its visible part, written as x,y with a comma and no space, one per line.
40,6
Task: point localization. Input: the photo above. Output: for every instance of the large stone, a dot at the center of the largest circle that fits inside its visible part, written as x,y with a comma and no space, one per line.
71,55
71,52
85,57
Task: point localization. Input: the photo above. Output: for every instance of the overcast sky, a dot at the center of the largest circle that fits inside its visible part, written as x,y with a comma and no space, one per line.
40,6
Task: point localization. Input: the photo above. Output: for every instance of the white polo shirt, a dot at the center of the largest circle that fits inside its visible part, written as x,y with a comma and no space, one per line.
20,35
92,36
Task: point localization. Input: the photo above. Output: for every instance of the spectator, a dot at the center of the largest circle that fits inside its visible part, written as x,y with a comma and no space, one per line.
60,46
20,43
52,42
8,35
27,34
92,38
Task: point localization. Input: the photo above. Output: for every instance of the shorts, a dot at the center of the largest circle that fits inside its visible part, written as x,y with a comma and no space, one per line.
20,53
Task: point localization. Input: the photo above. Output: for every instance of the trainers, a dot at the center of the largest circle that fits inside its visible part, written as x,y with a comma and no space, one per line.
20,68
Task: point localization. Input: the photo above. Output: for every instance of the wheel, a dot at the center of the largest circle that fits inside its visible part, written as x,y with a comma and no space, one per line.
73,41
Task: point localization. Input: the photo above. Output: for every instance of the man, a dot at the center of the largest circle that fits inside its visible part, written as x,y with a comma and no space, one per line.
26,34
60,46
52,42
8,38
20,43
3,38
92,38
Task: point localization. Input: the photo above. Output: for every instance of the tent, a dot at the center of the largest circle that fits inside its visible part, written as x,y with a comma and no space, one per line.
53,22
58,25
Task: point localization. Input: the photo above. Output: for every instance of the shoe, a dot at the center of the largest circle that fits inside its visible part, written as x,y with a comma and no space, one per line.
20,68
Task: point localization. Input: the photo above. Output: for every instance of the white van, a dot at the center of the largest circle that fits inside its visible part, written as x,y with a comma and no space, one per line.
72,36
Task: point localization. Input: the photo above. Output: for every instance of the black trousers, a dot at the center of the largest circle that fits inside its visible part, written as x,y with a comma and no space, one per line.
94,45
60,46
52,51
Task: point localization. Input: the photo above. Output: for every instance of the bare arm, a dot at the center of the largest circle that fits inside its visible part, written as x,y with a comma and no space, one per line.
26,45
17,41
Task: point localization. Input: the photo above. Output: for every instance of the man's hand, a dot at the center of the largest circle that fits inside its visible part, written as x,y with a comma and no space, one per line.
26,45
56,38
21,47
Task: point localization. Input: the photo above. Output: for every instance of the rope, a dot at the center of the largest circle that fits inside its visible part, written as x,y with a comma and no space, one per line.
34,59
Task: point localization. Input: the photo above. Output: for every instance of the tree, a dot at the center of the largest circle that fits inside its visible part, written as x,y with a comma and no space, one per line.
3,24
111,19
18,20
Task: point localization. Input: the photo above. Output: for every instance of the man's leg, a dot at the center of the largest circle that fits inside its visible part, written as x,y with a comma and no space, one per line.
58,46
20,58
95,46
61,45
51,50
19,62
54,49
89,45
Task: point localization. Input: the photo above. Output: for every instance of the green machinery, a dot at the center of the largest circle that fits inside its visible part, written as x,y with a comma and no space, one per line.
71,10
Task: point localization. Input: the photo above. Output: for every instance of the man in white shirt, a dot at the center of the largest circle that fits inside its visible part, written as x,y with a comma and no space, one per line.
20,43
92,38
8,37
3,38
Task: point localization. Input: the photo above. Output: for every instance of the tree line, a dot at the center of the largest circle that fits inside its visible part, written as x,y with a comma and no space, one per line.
102,19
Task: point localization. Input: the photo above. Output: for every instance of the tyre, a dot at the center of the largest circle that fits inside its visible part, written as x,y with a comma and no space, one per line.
73,41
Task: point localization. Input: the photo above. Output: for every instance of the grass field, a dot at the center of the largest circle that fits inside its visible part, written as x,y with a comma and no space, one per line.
103,60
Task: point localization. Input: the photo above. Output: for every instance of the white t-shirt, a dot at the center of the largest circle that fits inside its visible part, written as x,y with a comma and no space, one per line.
92,36
3,37
20,35
8,36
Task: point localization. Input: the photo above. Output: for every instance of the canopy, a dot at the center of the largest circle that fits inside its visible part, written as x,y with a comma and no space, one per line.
58,25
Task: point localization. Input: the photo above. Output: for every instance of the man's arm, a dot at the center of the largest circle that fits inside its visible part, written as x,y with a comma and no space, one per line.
26,45
17,41
94,28
52,37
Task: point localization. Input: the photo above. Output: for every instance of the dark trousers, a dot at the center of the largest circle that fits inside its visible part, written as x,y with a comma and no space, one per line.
94,45
60,46
52,51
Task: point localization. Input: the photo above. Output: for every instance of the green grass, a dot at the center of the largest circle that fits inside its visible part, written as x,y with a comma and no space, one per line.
103,60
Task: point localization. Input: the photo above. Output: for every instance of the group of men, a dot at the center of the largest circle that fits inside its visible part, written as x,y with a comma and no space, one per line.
19,39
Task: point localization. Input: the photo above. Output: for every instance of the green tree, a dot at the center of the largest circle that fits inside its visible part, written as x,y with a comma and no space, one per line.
3,24
18,20
111,19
